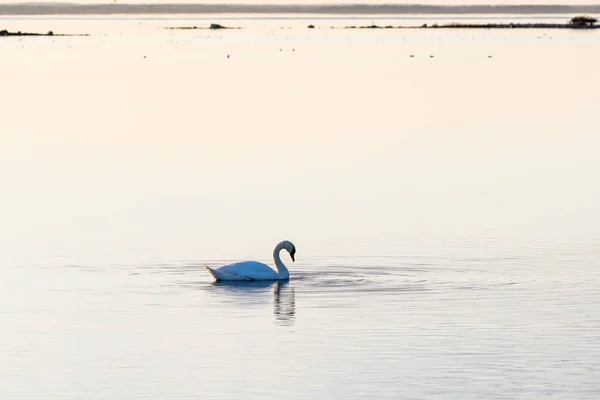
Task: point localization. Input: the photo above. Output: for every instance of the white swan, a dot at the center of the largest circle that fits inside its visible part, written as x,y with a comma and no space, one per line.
254,270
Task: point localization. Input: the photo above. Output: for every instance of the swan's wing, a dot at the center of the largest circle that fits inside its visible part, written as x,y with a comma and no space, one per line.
247,266
225,275
250,270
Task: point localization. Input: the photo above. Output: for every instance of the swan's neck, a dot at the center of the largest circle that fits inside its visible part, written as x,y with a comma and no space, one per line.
281,268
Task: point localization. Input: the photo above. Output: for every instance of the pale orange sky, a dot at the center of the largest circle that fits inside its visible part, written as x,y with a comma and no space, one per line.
436,2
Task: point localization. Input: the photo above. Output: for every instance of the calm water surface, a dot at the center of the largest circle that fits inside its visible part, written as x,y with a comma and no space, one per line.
444,207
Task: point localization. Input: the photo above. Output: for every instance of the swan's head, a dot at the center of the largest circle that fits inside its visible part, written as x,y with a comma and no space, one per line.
289,246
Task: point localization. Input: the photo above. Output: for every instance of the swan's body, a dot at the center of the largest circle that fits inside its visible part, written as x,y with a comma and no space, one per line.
254,270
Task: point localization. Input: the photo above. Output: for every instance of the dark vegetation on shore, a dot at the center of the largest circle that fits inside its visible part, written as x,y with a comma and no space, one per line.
19,33
5,33
580,22
212,26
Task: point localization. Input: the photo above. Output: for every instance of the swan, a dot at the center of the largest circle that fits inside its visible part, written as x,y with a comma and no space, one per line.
254,270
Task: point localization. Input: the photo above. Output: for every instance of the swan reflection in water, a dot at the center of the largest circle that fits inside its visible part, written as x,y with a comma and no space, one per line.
284,303
284,296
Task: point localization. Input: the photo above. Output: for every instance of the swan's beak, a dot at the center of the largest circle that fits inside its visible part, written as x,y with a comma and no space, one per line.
292,255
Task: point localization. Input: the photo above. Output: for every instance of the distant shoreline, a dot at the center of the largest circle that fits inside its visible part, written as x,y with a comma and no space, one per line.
476,26
32,9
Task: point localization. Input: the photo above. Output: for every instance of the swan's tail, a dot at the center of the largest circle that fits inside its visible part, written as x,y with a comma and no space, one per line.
210,271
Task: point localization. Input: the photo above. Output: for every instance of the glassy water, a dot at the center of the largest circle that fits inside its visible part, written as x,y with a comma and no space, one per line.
444,207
